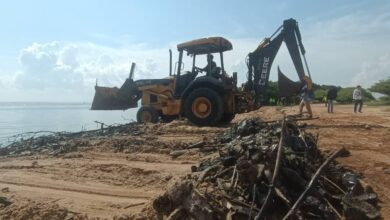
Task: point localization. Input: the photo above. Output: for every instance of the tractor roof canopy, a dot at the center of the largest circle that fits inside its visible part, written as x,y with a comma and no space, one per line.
206,45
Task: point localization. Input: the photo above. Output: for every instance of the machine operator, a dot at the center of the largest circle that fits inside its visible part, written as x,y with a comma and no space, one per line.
211,68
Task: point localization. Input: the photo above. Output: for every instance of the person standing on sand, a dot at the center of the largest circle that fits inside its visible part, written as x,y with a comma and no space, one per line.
358,99
306,96
331,96
324,100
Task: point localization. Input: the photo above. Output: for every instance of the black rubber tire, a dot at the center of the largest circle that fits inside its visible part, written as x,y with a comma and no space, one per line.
227,118
147,109
216,107
168,118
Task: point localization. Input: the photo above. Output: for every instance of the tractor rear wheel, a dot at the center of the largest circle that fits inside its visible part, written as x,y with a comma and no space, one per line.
147,114
203,107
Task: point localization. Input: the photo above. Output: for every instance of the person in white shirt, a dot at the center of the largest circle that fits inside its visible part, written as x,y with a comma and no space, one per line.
358,99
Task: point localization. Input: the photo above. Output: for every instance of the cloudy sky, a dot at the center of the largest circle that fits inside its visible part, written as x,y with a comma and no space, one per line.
55,50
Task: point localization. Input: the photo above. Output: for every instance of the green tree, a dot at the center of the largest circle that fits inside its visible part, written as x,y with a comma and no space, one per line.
319,94
272,93
382,87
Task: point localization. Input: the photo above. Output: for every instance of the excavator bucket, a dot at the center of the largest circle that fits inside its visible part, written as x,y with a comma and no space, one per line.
126,97
287,87
123,98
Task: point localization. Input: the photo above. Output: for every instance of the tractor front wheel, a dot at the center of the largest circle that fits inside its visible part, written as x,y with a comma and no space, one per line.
203,107
147,114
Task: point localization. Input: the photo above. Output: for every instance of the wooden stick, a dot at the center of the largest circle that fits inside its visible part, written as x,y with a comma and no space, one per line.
291,119
133,205
334,209
197,145
253,202
222,173
276,172
234,174
235,183
311,183
283,197
333,184
239,202
302,136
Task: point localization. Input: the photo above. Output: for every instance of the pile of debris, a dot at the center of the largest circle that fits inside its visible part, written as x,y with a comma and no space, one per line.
268,171
54,143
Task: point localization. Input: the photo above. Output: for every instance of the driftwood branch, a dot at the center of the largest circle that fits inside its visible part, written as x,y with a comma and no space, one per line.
291,119
276,172
333,184
197,145
311,183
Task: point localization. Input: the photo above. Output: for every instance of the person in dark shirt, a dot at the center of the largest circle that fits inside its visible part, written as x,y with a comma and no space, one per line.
211,67
331,96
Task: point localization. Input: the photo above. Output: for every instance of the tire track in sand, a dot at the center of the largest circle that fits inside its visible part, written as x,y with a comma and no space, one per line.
65,189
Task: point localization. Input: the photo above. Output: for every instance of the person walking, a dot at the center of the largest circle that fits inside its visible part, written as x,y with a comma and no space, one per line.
331,96
358,99
306,96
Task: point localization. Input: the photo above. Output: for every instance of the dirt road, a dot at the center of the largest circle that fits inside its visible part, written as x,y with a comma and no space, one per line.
104,181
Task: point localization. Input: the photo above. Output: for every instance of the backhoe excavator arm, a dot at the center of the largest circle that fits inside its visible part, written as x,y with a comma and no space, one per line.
260,61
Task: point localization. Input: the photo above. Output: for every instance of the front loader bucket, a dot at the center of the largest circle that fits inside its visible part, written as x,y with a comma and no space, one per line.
107,98
287,87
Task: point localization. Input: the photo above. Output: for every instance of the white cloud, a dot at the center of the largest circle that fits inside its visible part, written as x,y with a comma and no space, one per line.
68,56
7,80
42,68
50,70
349,49
346,50
372,72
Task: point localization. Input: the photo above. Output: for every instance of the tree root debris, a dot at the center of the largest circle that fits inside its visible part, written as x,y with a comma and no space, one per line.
268,171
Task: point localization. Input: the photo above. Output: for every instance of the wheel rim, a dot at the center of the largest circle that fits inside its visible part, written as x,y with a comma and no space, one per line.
201,107
146,116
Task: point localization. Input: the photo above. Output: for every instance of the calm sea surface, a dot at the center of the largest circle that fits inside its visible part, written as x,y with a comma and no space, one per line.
16,118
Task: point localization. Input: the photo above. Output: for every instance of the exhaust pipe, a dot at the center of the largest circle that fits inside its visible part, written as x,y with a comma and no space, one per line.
131,75
170,62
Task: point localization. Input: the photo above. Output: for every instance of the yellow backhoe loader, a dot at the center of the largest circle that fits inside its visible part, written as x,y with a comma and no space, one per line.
206,99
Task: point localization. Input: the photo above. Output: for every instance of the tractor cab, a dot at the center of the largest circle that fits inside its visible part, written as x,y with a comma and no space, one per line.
200,54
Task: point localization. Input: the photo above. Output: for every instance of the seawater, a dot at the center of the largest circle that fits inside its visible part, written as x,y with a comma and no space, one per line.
22,117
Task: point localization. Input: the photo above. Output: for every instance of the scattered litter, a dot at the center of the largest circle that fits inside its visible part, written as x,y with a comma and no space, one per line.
60,143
